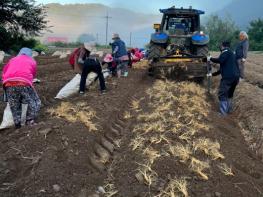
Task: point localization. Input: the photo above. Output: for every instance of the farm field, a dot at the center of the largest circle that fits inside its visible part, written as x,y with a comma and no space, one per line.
144,138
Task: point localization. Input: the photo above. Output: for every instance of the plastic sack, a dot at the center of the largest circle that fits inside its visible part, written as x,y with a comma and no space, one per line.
57,53
98,53
63,55
35,54
68,52
72,87
8,120
2,56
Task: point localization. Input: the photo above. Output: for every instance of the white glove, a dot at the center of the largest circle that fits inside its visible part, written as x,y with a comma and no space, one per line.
80,61
209,75
36,80
209,58
244,60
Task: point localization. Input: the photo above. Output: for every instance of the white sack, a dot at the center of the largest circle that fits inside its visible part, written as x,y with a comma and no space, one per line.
35,54
63,55
57,53
2,55
8,120
72,87
98,53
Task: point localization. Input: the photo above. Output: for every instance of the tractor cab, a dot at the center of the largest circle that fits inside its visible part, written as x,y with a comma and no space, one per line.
180,21
180,30
178,44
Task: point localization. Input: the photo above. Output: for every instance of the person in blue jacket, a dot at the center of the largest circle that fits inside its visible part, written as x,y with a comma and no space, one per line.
230,77
120,54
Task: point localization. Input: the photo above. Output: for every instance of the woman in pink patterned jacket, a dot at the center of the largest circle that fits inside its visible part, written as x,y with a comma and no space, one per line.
17,76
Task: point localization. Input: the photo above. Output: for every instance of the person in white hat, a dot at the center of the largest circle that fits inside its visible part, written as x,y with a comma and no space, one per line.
91,64
119,52
78,56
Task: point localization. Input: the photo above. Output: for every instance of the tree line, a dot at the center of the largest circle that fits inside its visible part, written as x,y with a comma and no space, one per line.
226,30
22,20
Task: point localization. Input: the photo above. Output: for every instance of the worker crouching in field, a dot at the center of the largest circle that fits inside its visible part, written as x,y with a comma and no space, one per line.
91,64
230,77
112,66
120,54
18,75
77,58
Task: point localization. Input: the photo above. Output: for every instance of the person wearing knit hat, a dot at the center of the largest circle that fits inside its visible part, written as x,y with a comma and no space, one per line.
18,75
120,53
115,36
112,66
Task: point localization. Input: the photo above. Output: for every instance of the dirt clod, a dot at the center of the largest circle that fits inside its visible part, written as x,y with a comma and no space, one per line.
102,153
108,145
139,177
83,193
94,195
45,131
101,190
56,188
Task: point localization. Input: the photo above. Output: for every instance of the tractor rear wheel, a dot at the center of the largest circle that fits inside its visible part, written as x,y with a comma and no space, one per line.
155,51
202,51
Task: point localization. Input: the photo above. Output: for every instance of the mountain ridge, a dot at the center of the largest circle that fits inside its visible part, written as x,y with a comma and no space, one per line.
72,20
243,11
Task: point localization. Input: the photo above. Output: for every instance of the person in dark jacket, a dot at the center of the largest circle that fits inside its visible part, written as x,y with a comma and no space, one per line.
80,54
241,52
230,77
120,54
91,64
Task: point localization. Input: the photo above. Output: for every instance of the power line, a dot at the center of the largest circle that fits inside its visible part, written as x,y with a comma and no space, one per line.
130,38
107,26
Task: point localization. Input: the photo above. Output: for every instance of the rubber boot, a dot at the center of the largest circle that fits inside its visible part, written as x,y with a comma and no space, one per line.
230,105
18,125
119,73
224,108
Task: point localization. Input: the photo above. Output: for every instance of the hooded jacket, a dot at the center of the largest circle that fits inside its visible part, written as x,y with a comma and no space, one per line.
228,64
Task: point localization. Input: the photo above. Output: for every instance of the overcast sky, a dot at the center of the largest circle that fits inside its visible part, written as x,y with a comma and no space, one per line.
150,6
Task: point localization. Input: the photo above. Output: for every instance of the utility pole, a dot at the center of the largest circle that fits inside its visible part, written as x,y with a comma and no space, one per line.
130,39
97,38
107,26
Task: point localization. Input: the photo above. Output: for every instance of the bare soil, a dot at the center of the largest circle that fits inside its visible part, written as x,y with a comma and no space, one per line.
64,157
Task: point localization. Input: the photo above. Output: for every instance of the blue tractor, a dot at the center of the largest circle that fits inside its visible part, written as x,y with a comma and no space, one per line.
178,48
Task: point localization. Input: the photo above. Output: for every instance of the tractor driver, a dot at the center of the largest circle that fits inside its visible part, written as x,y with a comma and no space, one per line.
182,26
185,25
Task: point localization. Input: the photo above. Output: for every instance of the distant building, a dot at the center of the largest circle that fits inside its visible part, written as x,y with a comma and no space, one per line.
57,39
